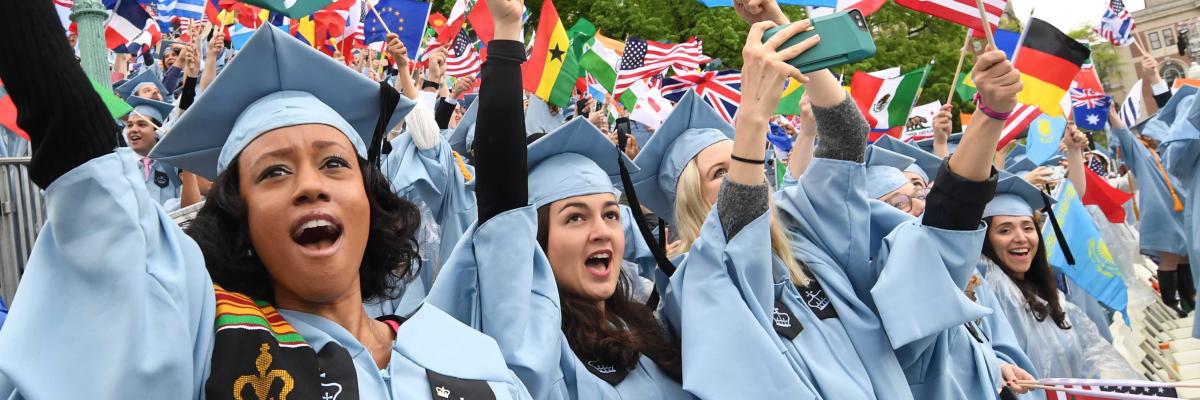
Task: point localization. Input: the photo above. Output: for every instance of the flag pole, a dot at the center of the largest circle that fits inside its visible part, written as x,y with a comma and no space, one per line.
380,17
148,120
962,55
987,29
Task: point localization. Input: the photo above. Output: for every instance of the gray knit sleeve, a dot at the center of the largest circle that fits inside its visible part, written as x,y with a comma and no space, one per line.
841,132
740,204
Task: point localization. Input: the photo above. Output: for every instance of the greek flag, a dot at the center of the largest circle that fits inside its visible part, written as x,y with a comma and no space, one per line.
1116,25
184,9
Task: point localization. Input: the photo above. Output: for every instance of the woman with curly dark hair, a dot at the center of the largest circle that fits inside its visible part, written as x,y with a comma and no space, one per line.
263,297
1057,336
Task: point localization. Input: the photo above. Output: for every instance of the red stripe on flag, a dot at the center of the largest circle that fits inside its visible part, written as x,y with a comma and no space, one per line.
1046,67
863,87
1017,122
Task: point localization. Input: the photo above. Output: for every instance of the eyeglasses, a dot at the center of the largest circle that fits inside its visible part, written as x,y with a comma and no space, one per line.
904,202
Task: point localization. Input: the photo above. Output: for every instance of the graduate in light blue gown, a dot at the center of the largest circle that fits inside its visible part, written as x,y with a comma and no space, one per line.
142,127
924,167
145,84
1160,198
562,309
262,297
1057,336
1182,158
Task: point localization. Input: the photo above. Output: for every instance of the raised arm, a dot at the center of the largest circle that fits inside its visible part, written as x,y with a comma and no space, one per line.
1076,141
802,150
500,155
404,81
47,85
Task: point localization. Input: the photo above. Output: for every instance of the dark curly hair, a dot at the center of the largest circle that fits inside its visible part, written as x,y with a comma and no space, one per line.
1037,282
626,330
221,230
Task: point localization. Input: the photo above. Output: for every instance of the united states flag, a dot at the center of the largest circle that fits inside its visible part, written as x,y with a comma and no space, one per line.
1116,25
1089,389
962,12
720,89
1022,115
463,60
645,58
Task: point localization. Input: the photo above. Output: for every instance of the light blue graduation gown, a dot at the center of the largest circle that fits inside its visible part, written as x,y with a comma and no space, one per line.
834,229
124,273
162,184
500,282
1161,228
1182,158
432,180
636,249
997,328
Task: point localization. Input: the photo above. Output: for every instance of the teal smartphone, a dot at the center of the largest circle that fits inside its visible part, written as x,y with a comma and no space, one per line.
845,38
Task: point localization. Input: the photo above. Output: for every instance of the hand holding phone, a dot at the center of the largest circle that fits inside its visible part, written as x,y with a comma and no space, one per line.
845,39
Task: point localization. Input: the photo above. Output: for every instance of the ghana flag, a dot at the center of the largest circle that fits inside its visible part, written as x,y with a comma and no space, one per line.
1048,60
552,68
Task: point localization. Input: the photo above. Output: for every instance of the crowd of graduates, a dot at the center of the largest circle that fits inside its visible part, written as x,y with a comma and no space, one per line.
368,234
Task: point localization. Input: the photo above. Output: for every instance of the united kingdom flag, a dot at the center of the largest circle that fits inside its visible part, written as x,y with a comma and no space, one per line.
720,89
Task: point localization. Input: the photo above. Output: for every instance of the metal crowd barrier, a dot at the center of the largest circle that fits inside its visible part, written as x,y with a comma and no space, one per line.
22,214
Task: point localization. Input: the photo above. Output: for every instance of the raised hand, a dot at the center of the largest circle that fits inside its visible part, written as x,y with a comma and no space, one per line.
437,65
942,124
463,85
506,18
755,11
997,80
1075,139
216,46
191,54
398,52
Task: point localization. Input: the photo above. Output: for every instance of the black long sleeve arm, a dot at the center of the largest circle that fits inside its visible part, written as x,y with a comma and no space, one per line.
188,94
956,203
66,121
444,112
501,167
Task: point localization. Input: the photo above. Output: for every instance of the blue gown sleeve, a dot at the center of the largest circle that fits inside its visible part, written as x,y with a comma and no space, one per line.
997,327
831,199
433,178
636,249
725,297
112,264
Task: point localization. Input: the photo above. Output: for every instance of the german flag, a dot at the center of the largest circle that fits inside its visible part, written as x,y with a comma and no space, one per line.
1048,60
553,68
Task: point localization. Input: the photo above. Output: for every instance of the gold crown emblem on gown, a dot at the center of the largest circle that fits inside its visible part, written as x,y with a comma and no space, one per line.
261,383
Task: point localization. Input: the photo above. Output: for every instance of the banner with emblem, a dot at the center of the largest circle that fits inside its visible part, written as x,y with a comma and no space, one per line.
919,125
1095,270
1045,133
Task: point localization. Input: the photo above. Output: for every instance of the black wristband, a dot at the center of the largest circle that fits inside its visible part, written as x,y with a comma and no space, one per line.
428,84
747,160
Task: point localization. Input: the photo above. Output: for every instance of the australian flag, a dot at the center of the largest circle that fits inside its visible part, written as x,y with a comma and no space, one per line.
1091,108
405,18
1116,25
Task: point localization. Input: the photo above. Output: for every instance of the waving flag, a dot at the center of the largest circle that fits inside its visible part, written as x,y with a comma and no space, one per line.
720,89
8,114
1048,60
1020,118
1116,25
1090,109
962,12
866,7
645,58
189,9
1045,133
1089,389
1110,200
463,60
886,102
128,21
1095,270
405,18
552,68
294,9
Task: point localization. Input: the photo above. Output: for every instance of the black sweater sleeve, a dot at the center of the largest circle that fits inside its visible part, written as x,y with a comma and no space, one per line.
501,169
188,94
444,112
66,121
955,203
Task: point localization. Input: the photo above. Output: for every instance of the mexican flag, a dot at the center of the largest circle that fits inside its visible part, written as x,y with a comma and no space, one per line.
885,97
552,68
789,103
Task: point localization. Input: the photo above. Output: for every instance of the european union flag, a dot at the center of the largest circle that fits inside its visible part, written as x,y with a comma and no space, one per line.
405,18
1095,271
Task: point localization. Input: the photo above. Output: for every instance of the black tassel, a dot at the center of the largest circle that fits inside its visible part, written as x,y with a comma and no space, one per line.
388,99
1062,239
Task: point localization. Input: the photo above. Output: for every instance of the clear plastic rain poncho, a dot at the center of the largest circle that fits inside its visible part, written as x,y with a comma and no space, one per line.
1079,352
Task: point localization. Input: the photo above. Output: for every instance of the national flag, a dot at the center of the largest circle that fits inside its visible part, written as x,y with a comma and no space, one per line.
1090,109
294,9
885,102
962,12
601,62
474,11
652,109
1117,24
189,9
8,114
149,37
1048,60
789,101
720,89
920,122
481,21
1021,116
239,35
1109,199
552,68
646,58
117,108
463,60
866,7
128,20
1045,133
1096,389
966,87
814,3
1094,271
1131,108
63,7
212,11
405,18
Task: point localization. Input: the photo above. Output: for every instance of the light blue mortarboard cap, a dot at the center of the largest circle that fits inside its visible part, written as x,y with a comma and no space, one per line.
574,160
691,127
1015,197
275,82
1186,119
885,171
1157,126
925,163
151,108
464,133
1020,165
1015,155
951,143
147,77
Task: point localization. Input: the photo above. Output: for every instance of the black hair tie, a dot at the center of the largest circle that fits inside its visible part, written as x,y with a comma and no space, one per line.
747,160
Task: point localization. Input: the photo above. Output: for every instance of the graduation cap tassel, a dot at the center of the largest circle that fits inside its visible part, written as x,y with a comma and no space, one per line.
660,253
388,99
1062,239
